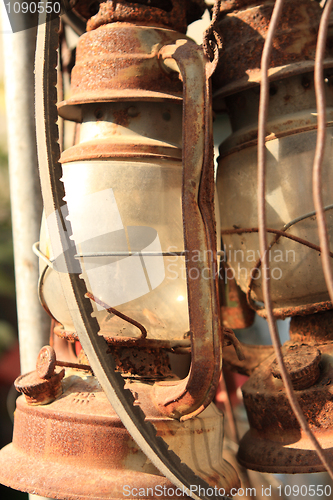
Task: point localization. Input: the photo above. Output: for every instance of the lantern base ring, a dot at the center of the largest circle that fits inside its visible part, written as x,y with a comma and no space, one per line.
76,447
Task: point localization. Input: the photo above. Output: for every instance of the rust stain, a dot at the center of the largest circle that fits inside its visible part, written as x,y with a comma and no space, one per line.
279,442
166,13
40,391
58,450
243,26
121,117
120,61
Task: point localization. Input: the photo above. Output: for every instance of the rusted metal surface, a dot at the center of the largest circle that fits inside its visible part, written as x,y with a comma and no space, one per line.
126,318
103,149
78,366
238,316
281,130
141,358
254,355
77,448
281,445
152,364
235,310
212,41
121,62
42,386
229,338
172,14
302,364
173,17
244,27
293,455
290,100
314,328
40,391
286,312
190,396
133,359
72,336
46,362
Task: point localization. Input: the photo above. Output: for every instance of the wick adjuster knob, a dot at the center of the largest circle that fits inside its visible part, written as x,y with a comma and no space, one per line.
42,386
302,364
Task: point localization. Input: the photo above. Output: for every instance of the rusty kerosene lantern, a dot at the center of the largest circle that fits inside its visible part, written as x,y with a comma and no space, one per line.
139,201
276,442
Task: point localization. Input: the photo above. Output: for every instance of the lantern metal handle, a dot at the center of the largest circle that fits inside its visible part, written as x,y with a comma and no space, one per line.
186,398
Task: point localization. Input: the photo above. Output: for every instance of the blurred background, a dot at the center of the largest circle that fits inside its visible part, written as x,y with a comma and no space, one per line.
9,352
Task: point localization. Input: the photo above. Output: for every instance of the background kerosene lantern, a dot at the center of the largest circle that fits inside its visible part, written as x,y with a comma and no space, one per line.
276,442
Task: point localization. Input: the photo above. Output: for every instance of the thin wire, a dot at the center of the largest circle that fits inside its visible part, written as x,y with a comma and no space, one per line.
121,315
135,254
36,250
77,366
129,254
285,227
305,216
263,112
41,255
279,233
320,146
212,41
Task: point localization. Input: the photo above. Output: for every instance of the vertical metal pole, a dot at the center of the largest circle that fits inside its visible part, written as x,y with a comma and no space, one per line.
26,203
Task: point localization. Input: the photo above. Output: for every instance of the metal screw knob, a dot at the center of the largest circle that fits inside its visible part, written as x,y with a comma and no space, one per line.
46,362
302,364
43,385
